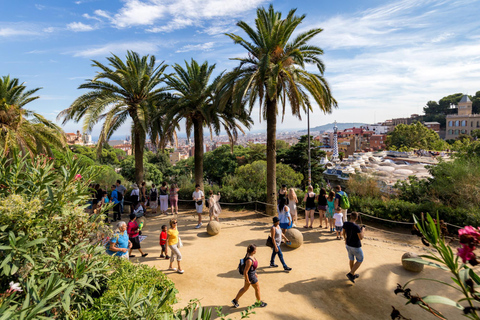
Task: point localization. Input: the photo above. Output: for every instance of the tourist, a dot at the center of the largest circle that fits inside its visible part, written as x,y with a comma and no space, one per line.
338,198
121,193
330,210
213,205
119,243
153,199
132,230
282,194
309,207
173,243
322,207
135,196
138,210
198,197
143,195
353,235
285,217
251,277
116,202
338,217
277,235
292,204
174,197
163,243
103,200
164,198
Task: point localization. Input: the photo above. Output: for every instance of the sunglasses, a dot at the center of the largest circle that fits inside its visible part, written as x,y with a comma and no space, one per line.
174,223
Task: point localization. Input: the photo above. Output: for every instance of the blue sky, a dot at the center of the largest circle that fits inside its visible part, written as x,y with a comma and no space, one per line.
383,59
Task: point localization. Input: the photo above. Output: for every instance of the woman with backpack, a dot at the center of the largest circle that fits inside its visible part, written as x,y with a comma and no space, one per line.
164,198
249,266
153,199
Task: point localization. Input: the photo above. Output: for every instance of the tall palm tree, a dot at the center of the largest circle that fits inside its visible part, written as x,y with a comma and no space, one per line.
22,129
121,91
198,103
274,72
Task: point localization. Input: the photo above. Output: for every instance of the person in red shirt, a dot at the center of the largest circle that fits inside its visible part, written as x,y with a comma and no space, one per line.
163,243
132,230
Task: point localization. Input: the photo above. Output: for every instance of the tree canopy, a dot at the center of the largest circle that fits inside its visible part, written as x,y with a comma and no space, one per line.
414,136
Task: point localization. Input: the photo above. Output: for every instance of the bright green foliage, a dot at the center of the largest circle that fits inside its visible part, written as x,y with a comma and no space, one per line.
222,162
152,173
414,136
21,129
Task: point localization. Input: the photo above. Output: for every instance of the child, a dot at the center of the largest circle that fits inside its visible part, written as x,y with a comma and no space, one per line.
338,216
285,219
163,242
331,210
214,206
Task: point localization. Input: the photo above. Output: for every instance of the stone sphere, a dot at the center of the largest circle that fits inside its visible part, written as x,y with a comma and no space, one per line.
213,228
411,265
295,237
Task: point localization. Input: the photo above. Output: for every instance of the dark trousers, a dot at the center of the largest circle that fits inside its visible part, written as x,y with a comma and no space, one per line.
116,212
280,256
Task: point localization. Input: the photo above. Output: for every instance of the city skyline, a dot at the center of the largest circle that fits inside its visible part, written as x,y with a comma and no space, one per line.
383,59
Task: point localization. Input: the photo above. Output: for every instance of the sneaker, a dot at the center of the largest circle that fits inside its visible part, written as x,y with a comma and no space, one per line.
144,255
235,303
167,257
357,276
273,265
181,271
287,268
198,226
262,304
172,269
351,277
162,256
294,225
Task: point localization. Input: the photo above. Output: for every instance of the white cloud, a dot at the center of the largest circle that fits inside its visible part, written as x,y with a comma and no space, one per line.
175,24
142,47
10,32
197,47
137,12
39,6
89,17
48,29
102,13
80,27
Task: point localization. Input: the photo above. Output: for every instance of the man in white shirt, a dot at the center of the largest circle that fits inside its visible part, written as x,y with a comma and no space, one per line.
198,197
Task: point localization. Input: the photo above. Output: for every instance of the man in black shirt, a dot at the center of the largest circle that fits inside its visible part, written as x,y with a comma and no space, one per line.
353,235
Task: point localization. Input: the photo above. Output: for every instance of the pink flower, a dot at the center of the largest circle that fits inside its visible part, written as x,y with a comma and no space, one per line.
466,253
14,287
470,231
78,177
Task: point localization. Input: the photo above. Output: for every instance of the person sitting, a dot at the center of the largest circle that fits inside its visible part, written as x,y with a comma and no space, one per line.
138,210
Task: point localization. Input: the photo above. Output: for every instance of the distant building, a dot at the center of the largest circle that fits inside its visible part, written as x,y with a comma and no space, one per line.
378,128
74,138
127,147
413,118
377,141
463,122
177,156
435,126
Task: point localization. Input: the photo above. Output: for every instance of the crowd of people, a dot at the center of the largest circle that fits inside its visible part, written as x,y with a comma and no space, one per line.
331,207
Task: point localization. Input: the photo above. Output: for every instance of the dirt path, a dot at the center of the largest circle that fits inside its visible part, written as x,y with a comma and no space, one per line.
316,288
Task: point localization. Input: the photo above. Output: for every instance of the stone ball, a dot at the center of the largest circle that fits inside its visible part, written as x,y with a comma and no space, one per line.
411,265
213,228
295,237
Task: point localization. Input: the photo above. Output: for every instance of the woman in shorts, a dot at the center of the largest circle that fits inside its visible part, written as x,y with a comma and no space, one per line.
292,204
331,210
250,276
322,207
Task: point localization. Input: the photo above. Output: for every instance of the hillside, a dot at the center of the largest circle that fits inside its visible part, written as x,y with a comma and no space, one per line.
329,126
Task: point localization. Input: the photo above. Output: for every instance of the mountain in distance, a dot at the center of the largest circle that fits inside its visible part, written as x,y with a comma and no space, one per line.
340,126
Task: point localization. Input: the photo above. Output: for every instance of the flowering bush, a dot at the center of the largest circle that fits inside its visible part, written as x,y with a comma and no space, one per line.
465,279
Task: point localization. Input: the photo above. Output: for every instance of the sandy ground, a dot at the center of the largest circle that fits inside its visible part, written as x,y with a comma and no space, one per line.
316,288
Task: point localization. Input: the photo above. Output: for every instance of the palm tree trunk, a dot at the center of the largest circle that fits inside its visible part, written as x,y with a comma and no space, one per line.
138,145
198,155
271,157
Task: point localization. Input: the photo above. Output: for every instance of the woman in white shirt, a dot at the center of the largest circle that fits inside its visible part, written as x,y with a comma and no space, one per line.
198,197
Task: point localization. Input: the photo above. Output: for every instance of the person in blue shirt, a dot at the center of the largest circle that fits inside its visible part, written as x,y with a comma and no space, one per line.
120,244
116,207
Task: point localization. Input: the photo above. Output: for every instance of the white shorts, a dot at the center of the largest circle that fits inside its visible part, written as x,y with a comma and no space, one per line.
199,208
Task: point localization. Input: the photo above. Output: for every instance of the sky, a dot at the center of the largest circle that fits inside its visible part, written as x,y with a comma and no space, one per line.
384,59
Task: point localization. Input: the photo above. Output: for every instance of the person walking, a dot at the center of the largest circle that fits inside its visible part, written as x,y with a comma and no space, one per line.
214,208
164,198
135,197
338,200
251,277
174,198
121,193
173,241
277,235
322,207
132,230
309,207
116,202
338,217
198,197
292,204
143,196
153,199
282,194
330,210
353,235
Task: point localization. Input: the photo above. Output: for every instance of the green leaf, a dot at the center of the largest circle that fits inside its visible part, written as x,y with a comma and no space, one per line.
428,263
441,300
474,276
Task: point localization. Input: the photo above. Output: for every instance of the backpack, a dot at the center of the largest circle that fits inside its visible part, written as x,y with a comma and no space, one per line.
241,265
344,202
119,196
153,195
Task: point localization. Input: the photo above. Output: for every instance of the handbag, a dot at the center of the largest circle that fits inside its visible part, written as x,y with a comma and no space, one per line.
270,242
179,244
199,202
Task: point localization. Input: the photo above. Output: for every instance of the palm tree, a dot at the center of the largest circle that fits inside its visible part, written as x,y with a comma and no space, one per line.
274,72
21,129
121,91
198,103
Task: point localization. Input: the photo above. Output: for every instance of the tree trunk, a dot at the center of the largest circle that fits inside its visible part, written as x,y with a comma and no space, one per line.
138,145
198,156
271,157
